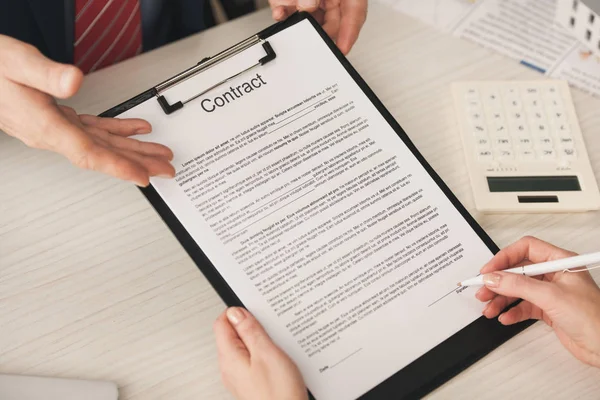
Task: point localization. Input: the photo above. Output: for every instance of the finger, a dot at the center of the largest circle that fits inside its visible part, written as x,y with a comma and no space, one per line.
331,22
121,127
146,148
281,9
541,293
282,3
522,263
497,305
519,313
250,331
354,14
98,158
154,166
527,248
27,66
484,294
229,345
278,13
281,13
308,5
84,152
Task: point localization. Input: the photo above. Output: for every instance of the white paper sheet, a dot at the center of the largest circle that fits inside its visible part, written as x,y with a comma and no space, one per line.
521,29
317,215
581,68
524,30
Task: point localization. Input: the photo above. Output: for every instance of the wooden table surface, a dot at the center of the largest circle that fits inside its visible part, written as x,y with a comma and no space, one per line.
93,285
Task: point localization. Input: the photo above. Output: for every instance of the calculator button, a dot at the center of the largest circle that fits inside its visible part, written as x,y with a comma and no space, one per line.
492,99
500,129
485,156
558,117
568,154
474,106
505,155
516,117
482,143
562,129
554,103
476,117
540,129
495,115
513,103
531,91
547,154
566,142
553,96
527,155
536,116
472,94
525,142
491,94
544,141
479,130
519,129
502,142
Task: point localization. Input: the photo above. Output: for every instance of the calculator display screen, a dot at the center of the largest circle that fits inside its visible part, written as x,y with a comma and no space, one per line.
533,184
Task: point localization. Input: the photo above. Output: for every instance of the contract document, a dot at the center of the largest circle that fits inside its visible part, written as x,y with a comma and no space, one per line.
323,220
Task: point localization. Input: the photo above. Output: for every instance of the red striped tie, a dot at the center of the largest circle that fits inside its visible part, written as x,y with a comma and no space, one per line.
106,32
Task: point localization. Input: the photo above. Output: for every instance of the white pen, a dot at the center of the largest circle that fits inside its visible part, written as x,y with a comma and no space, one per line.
544,268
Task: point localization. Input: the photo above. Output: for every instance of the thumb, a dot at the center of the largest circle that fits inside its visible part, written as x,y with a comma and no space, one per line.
30,68
542,294
249,330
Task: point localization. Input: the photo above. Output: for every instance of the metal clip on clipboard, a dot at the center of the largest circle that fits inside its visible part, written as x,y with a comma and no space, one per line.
207,63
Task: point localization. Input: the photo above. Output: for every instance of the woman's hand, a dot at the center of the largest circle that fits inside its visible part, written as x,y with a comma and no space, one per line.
569,302
252,366
341,19
28,111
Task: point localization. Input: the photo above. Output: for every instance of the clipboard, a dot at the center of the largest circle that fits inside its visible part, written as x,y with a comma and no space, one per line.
430,370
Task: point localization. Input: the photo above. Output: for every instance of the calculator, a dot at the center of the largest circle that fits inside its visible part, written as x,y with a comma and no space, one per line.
523,147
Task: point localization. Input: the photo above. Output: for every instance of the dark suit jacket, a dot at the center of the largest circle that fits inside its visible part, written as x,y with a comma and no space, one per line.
49,24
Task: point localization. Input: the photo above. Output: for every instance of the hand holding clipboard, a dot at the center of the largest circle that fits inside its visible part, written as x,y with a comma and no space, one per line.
341,19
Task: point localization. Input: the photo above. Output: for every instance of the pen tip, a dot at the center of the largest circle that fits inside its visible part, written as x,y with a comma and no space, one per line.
458,284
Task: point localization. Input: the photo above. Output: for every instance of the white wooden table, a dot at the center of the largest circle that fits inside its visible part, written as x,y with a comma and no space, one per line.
93,284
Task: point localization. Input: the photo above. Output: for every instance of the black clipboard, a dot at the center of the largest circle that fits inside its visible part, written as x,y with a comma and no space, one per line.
429,371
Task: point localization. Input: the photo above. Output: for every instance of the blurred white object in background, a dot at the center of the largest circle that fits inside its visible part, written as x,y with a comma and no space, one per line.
582,19
21,387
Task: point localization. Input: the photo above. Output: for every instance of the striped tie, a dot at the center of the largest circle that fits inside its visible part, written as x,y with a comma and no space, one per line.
106,32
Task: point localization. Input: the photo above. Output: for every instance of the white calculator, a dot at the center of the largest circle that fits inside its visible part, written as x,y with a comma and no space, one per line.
524,148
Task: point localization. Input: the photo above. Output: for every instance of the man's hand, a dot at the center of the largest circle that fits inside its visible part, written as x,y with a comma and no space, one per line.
252,366
28,80
569,302
341,19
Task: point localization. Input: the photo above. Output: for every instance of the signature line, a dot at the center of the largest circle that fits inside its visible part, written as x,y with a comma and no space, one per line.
345,358
444,296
